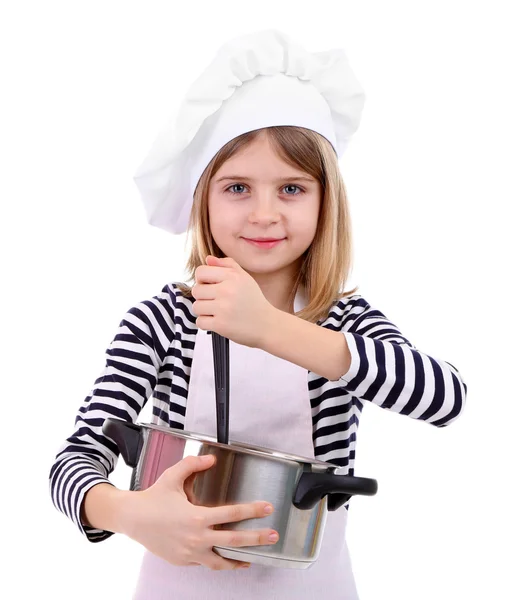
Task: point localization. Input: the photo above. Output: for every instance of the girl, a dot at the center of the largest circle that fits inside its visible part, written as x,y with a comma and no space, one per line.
251,171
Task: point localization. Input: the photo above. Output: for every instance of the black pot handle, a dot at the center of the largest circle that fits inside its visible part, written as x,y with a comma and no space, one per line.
127,436
312,487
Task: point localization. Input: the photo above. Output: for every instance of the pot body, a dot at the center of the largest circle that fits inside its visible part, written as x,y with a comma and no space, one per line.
300,489
242,474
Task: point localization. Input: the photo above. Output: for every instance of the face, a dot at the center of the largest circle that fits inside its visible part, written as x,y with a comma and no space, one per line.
255,194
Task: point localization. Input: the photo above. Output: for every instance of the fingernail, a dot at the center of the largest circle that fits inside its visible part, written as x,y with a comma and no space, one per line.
273,537
268,509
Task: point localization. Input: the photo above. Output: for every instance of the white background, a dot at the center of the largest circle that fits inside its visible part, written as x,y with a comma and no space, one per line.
86,86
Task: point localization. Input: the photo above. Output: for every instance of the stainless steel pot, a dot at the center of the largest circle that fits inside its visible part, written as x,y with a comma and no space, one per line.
300,489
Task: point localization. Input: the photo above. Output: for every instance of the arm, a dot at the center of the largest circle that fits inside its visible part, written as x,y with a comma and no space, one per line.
87,457
372,361
102,508
321,350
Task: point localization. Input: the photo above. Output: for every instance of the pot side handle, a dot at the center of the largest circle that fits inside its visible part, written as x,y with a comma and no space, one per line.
312,487
127,436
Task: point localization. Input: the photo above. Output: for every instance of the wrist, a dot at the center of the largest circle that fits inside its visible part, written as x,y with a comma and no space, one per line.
127,511
105,507
267,327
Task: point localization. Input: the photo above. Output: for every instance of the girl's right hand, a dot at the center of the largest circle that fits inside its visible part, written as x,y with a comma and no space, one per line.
162,519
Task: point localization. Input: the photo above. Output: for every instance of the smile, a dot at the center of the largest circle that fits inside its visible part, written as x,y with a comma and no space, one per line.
264,244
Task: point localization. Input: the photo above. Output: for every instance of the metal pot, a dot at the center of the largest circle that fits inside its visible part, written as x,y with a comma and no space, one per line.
300,489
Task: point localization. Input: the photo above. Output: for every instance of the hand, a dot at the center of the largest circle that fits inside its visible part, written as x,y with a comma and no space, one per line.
230,302
163,520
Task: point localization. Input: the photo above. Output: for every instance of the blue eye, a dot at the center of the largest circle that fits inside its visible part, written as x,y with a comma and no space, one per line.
232,186
296,187
301,191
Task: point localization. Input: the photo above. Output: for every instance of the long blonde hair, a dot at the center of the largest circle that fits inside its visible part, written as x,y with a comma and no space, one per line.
327,262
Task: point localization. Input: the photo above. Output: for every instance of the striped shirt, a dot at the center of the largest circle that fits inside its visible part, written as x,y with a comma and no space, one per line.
151,356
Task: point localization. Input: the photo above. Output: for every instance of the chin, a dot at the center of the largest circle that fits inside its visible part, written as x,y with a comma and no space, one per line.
260,264
262,267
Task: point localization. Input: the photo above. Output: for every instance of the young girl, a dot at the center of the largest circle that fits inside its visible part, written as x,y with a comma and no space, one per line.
250,169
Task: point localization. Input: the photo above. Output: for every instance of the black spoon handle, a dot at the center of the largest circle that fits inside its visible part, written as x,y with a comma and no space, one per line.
221,369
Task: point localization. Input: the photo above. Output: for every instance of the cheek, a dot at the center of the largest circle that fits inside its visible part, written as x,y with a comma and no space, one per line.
223,223
215,215
305,228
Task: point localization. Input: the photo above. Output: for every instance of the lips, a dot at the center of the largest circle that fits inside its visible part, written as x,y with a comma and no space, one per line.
264,243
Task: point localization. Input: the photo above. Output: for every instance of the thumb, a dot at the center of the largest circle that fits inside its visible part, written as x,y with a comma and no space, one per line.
226,261
212,260
192,464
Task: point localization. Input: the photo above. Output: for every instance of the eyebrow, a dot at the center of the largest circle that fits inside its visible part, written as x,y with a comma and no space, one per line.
241,177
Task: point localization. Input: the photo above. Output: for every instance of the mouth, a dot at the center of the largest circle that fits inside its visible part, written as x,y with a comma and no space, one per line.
266,243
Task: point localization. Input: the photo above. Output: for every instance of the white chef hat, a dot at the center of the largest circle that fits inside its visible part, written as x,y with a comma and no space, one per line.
257,80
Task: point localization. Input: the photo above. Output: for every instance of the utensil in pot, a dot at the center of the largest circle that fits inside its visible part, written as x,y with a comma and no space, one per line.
221,369
301,489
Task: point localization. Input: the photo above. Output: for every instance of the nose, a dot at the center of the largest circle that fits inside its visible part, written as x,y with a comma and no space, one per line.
264,209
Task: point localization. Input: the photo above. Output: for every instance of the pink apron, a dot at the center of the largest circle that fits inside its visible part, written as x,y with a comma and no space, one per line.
270,407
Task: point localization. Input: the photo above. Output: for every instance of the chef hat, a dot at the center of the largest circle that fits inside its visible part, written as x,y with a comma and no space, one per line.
257,80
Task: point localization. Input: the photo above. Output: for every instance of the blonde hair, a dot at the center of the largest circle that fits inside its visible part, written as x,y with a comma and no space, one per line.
328,260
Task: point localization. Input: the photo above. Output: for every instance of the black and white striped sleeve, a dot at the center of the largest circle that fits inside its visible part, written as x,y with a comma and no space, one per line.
129,376
387,370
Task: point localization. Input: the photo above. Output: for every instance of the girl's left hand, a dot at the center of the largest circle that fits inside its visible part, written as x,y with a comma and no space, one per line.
230,302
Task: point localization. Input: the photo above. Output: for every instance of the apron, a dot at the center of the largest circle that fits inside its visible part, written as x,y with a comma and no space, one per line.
268,397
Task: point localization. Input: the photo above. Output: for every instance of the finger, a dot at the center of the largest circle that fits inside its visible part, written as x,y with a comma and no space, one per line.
188,489
210,274
204,291
204,308
237,539
216,562
236,512
226,261
206,323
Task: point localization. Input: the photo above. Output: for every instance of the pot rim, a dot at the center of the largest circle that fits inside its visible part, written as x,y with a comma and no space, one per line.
241,446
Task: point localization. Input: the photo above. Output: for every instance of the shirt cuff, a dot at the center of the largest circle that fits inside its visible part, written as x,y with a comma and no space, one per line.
345,380
92,534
